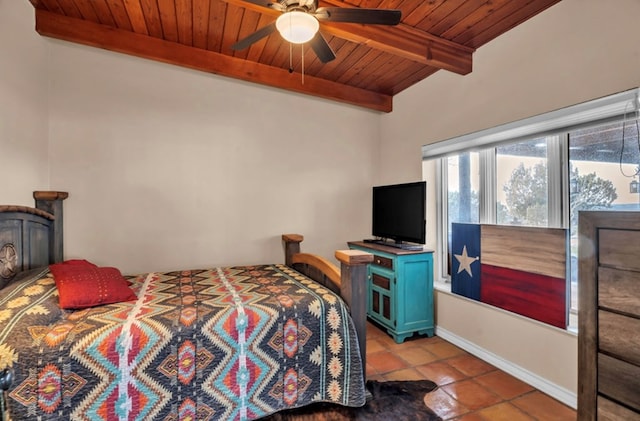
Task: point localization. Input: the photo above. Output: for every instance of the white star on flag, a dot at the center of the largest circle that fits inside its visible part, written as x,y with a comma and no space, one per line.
465,261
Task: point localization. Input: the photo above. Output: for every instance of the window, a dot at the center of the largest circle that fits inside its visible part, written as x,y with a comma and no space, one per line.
462,177
542,171
521,184
601,176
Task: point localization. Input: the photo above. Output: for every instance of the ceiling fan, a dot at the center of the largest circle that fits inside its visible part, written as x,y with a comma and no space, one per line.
299,23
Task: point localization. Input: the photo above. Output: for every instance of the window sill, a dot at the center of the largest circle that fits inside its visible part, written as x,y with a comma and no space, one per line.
443,285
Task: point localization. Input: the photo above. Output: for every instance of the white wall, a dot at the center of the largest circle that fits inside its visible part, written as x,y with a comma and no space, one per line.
23,105
575,51
170,168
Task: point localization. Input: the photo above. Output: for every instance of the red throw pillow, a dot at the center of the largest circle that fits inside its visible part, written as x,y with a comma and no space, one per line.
78,262
82,285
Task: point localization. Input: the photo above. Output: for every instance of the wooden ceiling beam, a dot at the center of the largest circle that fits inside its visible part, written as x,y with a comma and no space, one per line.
406,42
401,40
102,36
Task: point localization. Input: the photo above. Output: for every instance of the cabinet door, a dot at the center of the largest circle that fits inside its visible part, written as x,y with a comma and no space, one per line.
414,293
381,305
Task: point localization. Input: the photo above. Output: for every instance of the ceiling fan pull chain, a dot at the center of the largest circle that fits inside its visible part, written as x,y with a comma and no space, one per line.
302,49
290,58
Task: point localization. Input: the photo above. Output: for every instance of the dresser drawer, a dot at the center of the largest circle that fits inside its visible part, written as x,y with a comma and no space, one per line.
385,262
611,411
381,281
619,248
618,336
619,380
619,290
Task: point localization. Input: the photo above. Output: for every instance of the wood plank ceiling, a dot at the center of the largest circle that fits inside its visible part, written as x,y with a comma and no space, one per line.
373,62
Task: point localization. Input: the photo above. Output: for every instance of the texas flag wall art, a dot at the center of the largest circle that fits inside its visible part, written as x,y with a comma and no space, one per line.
519,269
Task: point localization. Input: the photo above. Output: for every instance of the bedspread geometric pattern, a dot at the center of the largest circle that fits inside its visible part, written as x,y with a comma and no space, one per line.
224,343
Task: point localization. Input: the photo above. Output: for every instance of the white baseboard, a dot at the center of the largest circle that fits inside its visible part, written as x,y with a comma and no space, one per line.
557,392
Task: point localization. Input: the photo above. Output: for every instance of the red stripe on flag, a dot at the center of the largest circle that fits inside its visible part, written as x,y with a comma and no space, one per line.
529,294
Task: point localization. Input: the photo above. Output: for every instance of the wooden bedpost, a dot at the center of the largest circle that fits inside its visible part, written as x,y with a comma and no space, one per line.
353,289
291,247
51,201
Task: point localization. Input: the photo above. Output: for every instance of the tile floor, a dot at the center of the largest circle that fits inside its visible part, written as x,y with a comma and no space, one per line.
469,388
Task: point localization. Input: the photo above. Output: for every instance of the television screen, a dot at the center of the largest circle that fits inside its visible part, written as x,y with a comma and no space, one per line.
399,212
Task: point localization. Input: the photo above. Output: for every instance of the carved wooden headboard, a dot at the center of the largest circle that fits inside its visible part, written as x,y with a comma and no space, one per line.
31,237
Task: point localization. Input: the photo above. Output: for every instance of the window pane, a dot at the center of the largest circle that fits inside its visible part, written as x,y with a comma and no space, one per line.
522,180
462,192
601,176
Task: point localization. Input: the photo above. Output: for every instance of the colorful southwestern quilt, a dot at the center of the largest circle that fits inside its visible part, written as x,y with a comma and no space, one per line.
228,343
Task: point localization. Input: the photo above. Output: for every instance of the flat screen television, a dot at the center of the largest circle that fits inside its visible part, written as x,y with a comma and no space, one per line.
399,212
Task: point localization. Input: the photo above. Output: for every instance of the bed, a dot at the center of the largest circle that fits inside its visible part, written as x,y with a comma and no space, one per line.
215,343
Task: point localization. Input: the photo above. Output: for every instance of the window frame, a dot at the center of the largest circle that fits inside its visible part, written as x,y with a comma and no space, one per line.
555,127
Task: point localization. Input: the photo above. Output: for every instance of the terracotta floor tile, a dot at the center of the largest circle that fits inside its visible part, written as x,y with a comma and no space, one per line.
371,371
405,374
416,355
444,405
503,412
542,407
384,362
395,347
504,384
390,343
470,389
443,349
373,331
471,394
470,365
474,416
374,346
440,372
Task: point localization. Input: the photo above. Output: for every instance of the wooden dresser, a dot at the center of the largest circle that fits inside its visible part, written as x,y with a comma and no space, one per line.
609,316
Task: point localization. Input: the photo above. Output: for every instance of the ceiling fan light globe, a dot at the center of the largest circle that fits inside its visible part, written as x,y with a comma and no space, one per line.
297,27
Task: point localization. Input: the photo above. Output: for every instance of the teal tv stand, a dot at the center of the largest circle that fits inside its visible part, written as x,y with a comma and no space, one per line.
399,289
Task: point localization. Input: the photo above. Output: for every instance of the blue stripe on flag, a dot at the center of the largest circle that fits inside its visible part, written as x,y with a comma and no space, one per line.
465,260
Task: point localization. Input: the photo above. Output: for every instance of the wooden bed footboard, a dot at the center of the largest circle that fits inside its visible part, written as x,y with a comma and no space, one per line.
350,281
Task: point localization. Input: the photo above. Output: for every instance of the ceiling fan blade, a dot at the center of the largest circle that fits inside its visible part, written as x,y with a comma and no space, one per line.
322,48
357,15
256,36
268,4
